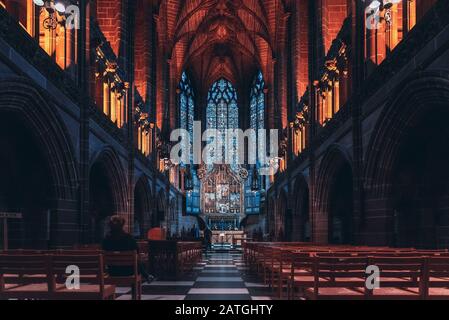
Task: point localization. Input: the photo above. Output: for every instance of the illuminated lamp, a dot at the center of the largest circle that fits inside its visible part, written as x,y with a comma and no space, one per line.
60,7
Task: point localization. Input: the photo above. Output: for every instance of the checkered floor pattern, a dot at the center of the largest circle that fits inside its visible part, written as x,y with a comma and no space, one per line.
220,276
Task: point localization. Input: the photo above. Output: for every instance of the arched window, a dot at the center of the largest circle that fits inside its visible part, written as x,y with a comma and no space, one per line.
257,122
186,107
222,113
257,104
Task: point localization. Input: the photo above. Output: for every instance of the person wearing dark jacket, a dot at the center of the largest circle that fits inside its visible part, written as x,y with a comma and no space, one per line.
119,240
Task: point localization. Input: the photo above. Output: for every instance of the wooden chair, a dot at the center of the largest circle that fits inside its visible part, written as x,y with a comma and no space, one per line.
92,278
29,274
124,260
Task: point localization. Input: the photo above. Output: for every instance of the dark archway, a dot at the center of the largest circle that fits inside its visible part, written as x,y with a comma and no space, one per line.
26,184
37,169
301,228
283,217
142,207
407,173
421,184
101,201
341,207
160,215
333,221
107,193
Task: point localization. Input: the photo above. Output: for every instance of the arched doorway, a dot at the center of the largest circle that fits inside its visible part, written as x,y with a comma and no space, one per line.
333,221
26,184
341,207
37,169
407,173
107,191
101,201
142,208
160,215
420,193
301,230
281,217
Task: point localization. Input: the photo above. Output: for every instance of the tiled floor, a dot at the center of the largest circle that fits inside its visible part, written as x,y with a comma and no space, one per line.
220,276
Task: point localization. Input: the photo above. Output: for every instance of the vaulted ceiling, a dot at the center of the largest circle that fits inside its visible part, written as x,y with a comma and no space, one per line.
219,38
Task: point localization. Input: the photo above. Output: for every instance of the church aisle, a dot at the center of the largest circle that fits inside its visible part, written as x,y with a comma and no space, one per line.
221,276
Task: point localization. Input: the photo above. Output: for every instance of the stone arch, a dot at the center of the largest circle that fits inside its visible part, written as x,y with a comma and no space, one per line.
142,206
406,172
38,169
107,191
161,211
300,226
172,213
333,221
281,213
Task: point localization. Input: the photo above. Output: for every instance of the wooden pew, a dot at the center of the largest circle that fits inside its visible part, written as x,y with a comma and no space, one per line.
401,278
338,278
30,274
302,274
436,278
171,259
269,260
92,278
124,260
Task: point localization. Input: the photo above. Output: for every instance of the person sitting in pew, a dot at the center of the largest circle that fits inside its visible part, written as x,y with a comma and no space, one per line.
119,240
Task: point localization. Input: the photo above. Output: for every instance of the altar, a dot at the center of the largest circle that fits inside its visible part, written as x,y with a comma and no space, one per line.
228,238
222,204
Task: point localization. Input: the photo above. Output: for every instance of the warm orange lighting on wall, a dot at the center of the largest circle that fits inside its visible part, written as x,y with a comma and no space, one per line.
23,11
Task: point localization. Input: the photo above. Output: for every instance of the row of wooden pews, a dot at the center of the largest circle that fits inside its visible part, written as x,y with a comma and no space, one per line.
170,260
311,271
49,274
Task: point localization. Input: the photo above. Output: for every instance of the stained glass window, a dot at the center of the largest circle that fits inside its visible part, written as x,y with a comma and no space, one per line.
186,107
257,104
222,114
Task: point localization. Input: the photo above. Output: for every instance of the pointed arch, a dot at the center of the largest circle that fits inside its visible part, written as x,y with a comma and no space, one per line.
333,220
20,96
406,167
143,206
301,227
38,174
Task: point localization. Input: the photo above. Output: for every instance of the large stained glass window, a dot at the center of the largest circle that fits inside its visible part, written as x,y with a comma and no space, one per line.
186,119
257,122
186,107
257,103
222,114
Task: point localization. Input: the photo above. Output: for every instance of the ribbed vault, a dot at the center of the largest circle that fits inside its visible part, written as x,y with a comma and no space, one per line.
219,38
